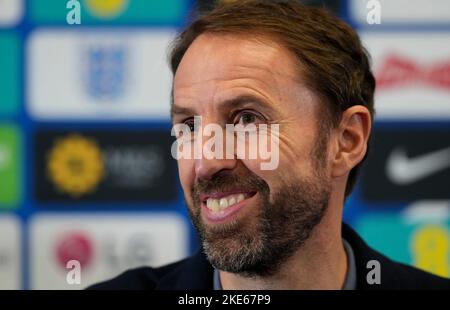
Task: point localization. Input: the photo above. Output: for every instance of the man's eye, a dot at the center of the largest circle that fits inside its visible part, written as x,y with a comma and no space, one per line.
190,123
246,118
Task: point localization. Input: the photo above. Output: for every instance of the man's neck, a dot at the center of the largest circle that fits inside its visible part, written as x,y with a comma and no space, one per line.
321,263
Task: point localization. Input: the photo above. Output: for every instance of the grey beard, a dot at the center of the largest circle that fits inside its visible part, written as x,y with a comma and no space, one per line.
259,246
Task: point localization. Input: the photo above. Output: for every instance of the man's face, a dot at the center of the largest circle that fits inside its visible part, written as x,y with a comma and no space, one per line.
251,220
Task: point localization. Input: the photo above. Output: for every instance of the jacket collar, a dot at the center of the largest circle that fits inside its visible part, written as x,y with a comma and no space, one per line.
363,255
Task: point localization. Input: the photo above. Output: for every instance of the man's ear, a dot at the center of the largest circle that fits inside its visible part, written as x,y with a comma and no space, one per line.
351,139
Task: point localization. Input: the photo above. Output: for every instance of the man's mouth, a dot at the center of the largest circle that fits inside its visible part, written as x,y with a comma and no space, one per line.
222,206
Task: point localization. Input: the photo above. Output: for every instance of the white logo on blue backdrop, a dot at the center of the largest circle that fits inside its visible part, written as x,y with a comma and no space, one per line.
106,72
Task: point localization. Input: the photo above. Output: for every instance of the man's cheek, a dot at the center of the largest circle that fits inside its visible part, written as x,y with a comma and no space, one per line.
186,176
268,176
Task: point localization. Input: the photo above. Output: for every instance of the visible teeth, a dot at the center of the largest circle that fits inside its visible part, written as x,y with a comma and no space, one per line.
223,203
217,205
231,201
213,204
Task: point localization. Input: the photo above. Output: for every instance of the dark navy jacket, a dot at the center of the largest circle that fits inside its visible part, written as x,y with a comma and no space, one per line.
196,272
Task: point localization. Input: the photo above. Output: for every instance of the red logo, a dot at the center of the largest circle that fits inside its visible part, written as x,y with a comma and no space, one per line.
400,71
74,246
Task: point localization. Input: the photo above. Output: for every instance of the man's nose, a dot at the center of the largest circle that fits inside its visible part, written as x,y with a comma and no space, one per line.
207,165
207,168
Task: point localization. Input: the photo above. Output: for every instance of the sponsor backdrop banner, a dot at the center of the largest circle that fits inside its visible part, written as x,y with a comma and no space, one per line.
11,271
103,245
9,73
412,82
402,12
114,74
10,168
111,11
104,166
407,165
88,187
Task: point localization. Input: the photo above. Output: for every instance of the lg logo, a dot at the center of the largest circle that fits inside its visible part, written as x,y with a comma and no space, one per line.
75,252
73,17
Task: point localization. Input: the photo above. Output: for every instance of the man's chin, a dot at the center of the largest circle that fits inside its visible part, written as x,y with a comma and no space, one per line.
232,255
232,247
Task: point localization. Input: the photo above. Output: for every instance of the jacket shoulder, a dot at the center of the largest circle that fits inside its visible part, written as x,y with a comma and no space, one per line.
142,278
393,275
401,276
193,272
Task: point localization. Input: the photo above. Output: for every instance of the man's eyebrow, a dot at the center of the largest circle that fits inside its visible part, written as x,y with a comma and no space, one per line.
174,109
242,100
225,105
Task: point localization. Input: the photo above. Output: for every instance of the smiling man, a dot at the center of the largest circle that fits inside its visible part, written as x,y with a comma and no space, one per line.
253,63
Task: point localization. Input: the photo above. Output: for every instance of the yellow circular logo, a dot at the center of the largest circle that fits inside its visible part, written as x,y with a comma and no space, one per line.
75,165
106,8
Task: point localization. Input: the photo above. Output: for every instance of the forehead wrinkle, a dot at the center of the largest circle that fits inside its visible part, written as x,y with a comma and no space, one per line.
263,54
262,72
272,69
238,91
190,90
224,91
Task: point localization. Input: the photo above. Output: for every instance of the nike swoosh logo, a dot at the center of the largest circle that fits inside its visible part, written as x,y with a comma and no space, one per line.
403,170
